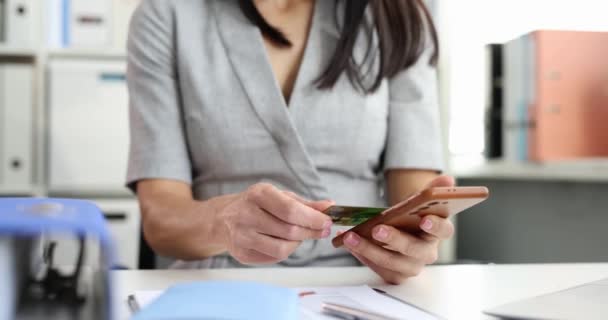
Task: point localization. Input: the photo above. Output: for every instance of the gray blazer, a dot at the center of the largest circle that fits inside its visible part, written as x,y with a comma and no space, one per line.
205,109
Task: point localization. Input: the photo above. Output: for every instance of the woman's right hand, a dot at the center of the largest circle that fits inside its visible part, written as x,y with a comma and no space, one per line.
264,225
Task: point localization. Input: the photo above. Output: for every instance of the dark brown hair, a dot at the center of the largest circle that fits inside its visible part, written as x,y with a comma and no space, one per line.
402,26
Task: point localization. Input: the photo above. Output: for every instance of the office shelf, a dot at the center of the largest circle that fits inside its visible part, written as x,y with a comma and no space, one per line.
90,192
579,171
20,191
6,51
88,53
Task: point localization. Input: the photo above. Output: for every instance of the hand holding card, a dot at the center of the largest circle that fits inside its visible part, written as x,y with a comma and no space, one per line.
351,216
406,215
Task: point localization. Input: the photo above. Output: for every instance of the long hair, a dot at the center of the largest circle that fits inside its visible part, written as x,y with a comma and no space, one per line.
402,27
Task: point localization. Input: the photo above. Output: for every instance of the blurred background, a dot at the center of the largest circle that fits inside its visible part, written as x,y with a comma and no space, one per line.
524,100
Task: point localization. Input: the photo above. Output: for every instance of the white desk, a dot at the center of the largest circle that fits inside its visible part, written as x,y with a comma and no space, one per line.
454,292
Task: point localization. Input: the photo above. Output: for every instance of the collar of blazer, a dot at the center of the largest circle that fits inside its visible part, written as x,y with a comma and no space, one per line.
245,49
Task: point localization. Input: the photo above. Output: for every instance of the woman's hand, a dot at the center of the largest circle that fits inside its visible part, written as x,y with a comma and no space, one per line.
404,254
264,225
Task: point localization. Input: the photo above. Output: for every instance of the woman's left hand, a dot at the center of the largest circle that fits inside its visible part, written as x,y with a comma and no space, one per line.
404,254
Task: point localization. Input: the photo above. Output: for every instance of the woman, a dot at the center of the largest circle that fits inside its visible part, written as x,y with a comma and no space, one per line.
242,111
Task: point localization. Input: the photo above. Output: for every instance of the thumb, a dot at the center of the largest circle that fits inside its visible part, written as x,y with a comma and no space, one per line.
320,205
442,181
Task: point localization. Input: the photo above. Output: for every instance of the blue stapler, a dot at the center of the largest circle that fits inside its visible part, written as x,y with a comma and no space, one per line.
32,285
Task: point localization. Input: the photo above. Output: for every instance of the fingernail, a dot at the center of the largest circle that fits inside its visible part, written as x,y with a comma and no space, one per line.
427,225
326,233
381,233
327,224
352,240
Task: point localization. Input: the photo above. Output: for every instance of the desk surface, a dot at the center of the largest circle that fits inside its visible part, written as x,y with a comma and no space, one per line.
454,292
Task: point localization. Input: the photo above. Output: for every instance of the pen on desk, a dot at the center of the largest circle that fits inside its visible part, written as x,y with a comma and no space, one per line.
350,313
382,292
133,306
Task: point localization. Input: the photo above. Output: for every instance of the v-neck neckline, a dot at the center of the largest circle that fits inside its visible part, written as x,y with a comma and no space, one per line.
246,52
303,66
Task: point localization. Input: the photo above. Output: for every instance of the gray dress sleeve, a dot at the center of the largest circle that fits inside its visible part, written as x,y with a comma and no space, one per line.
414,133
158,147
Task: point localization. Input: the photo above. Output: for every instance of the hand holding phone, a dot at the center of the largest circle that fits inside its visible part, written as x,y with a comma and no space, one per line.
406,215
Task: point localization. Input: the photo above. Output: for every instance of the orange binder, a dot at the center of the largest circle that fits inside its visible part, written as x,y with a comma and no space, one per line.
569,103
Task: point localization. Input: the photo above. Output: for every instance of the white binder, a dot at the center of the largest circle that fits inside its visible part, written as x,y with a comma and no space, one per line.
88,127
22,22
16,125
90,23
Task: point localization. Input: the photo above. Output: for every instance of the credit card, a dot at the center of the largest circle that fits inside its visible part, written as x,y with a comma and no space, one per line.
351,216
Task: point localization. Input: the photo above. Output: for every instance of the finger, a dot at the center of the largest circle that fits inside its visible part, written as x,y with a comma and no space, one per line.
286,208
362,259
277,248
297,197
436,226
390,276
250,256
270,225
377,255
407,244
442,181
320,205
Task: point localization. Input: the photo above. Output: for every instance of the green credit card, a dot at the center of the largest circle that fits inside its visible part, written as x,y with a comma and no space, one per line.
351,216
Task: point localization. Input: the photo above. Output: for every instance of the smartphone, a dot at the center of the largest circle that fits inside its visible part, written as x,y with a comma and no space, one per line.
407,215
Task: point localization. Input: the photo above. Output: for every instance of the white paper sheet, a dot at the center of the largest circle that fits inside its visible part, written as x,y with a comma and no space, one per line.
361,297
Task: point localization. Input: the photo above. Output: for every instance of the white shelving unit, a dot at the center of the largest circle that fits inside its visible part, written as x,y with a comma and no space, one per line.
577,171
124,230
87,53
20,191
17,52
39,58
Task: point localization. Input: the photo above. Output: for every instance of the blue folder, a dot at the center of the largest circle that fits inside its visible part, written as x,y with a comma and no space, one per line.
223,300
